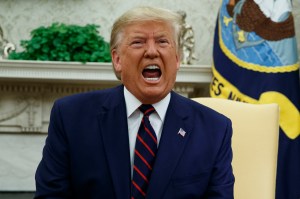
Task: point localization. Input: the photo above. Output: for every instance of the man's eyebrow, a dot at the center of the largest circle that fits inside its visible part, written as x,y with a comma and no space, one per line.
140,35
136,35
161,34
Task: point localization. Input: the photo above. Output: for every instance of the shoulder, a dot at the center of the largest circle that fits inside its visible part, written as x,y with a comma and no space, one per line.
91,96
89,101
197,109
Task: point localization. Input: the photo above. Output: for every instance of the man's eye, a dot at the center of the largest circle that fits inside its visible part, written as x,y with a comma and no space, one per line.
136,43
163,41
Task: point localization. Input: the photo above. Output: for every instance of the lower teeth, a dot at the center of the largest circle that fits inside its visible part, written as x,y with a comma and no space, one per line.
152,79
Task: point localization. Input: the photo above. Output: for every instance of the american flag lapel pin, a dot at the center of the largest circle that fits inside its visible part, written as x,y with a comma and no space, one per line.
181,132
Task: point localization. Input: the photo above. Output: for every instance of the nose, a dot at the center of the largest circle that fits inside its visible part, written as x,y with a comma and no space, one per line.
151,50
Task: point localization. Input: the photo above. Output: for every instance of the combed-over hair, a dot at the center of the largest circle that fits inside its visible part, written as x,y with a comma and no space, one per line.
145,13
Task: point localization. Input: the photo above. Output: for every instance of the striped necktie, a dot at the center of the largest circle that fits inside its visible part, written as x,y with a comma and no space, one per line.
144,154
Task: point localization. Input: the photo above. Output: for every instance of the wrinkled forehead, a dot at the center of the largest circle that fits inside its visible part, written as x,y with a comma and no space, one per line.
149,27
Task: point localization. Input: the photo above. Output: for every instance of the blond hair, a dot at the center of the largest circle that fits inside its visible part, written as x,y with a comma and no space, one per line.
145,13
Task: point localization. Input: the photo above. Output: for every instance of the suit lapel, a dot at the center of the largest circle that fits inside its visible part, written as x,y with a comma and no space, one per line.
170,149
114,131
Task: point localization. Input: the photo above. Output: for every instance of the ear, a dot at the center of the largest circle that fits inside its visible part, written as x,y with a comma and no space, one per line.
178,60
116,59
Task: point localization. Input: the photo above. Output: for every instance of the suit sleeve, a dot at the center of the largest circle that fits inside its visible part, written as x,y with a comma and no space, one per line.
53,173
222,180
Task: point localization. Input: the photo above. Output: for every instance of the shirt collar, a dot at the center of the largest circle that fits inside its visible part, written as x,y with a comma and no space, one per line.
132,104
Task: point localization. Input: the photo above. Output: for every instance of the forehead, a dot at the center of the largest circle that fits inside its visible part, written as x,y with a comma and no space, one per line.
148,27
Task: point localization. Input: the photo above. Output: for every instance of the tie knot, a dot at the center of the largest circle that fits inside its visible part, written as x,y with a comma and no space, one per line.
146,109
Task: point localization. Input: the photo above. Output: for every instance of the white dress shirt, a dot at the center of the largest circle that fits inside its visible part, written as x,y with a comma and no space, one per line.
134,118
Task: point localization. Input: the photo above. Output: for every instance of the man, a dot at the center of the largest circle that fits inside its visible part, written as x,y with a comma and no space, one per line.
90,149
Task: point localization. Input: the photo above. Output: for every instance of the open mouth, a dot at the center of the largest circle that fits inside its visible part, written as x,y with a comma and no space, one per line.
152,73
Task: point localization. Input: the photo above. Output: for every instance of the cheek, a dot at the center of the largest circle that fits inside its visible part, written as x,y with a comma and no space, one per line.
127,72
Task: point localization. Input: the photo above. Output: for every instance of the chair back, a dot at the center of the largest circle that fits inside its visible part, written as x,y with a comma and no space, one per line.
254,144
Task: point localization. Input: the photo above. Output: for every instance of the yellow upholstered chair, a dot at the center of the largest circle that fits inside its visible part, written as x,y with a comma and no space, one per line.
254,145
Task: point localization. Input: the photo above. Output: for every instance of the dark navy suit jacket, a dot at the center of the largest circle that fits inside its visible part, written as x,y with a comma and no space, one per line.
86,154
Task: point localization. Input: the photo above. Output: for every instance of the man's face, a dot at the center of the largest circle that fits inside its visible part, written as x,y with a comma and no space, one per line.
147,60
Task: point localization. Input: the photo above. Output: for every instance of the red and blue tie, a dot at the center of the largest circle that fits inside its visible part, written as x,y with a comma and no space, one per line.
144,154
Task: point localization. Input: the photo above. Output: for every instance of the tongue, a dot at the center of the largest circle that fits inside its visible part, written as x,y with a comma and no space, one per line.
151,73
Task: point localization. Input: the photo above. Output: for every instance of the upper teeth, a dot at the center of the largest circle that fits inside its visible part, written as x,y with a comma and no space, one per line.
152,67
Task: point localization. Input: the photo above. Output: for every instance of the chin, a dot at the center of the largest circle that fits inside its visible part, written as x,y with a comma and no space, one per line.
154,96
